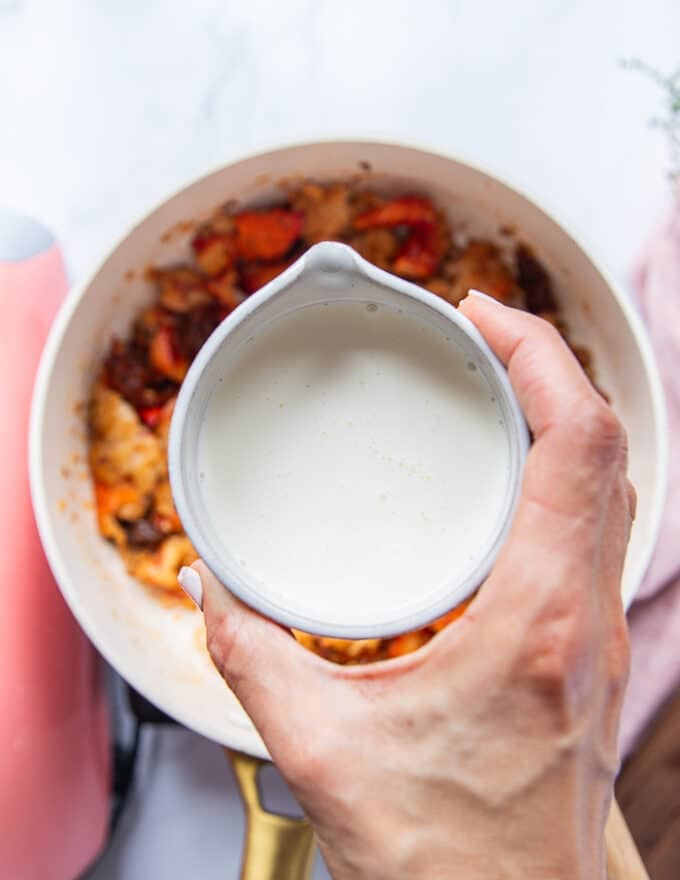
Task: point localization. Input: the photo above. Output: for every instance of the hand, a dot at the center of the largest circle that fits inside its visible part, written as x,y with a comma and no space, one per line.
490,752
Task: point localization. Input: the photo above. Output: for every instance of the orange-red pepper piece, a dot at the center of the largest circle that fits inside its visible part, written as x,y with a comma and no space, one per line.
419,256
267,235
121,499
404,211
452,615
164,357
111,499
151,415
256,275
407,643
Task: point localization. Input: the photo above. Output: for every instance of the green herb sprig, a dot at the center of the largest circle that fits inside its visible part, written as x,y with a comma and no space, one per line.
670,122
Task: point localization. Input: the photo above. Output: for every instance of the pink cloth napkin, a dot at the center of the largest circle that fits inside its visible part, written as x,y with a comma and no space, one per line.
655,616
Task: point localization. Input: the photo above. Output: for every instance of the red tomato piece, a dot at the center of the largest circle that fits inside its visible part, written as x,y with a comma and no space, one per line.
404,211
267,235
151,415
419,256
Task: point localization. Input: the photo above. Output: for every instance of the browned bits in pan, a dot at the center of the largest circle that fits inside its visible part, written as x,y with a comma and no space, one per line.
534,281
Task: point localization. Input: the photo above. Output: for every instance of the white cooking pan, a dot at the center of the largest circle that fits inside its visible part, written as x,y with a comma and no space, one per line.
160,650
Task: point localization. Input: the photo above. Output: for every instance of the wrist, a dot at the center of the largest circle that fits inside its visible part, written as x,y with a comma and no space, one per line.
492,860
502,850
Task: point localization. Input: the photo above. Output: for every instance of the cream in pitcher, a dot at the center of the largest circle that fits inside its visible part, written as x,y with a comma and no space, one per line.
352,451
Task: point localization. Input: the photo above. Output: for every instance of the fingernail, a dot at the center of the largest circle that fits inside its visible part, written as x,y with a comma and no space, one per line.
478,294
190,582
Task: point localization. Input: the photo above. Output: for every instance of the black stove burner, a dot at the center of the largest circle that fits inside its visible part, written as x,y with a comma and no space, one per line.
144,711
144,714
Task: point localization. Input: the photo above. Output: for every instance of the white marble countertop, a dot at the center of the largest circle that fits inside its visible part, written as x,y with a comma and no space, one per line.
105,107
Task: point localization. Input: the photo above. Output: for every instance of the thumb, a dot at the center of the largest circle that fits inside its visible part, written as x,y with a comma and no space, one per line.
265,667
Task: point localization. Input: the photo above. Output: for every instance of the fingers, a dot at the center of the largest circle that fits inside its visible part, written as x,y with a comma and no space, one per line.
264,666
572,470
579,441
546,377
615,539
631,495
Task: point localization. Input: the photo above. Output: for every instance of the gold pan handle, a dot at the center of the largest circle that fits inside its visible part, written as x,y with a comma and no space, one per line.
276,847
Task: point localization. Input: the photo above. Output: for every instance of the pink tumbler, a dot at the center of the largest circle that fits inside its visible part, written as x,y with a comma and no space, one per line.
54,741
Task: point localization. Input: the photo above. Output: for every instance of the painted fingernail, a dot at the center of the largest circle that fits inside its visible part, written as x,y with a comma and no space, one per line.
190,582
477,294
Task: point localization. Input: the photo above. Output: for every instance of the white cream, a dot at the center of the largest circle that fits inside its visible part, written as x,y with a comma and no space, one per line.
352,459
